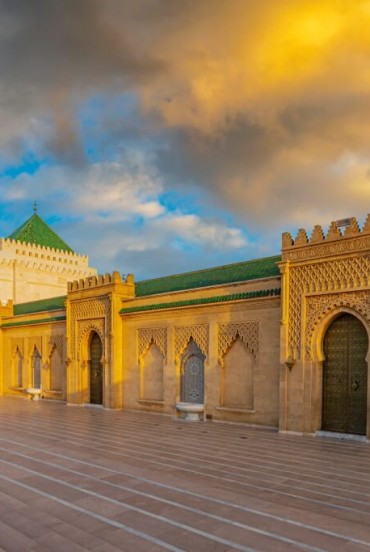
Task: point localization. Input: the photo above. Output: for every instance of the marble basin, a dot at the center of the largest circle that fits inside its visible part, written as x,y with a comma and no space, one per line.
192,412
34,393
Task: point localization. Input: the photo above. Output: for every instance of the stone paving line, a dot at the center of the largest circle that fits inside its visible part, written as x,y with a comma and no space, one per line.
74,479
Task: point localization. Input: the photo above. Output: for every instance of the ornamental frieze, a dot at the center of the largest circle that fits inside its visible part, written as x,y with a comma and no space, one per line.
317,307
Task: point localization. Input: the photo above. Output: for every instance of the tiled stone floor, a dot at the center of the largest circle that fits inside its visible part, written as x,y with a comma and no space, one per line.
77,479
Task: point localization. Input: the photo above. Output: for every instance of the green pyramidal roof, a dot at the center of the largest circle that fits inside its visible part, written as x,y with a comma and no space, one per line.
36,231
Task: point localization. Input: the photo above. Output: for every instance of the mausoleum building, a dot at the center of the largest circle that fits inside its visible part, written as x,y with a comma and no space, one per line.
280,341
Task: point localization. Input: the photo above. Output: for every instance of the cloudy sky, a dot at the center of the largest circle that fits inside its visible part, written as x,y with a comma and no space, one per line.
160,136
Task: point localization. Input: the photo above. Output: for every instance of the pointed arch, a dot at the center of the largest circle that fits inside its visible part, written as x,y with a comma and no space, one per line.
36,368
192,373
151,373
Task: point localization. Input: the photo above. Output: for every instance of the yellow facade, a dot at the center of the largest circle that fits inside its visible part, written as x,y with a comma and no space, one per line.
256,345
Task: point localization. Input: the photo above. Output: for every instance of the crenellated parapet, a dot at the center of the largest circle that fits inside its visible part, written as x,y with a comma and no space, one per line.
322,268
342,237
29,271
101,281
22,251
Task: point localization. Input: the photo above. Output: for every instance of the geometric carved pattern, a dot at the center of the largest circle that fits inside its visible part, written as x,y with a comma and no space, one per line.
192,374
337,247
329,276
247,331
35,342
146,336
183,334
56,342
318,306
85,326
17,343
90,309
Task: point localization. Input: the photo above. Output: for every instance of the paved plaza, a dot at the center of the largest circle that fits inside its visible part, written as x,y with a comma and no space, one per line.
77,479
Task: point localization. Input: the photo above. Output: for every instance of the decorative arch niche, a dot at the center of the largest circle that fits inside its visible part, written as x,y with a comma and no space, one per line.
192,374
36,368
56,369
151,373
238,376
18,368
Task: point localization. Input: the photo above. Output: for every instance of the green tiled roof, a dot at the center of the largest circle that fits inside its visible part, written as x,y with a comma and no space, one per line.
55,303
203,301
36,231
33,322
236,272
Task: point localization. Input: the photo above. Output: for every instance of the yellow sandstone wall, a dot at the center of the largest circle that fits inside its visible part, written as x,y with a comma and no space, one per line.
215,328
322,277
29,272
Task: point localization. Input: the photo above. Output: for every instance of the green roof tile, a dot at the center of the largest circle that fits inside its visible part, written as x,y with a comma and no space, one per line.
33,322
55,303
203,301
236,272
37,232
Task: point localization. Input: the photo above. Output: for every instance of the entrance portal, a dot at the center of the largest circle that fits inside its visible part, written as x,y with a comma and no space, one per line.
96,370
345,376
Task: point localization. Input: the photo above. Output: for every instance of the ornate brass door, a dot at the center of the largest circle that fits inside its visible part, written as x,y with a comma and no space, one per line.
345,376
96,370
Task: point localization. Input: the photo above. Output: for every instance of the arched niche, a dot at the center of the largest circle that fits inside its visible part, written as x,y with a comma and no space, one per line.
36,368
192,374
151,374
238,376
56,370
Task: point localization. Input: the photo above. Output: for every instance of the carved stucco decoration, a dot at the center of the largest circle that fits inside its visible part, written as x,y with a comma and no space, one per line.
327,249
88,315
146,336
199,333
17,343
317,307
56,342
330,276
87,326
34,342
248,332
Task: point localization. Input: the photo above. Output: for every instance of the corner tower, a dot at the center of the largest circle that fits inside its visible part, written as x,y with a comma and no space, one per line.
35,263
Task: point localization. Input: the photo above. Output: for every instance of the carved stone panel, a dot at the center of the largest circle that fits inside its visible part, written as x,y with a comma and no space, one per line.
85,327
17,343
35,342
331,276
318,306
248,332
199,333
88,310
57,342
146,336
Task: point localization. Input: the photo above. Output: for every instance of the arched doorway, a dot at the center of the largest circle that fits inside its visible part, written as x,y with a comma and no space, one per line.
96,369
345,376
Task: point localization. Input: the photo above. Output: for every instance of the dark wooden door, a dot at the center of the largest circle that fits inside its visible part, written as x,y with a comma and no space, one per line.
96,370
345,376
